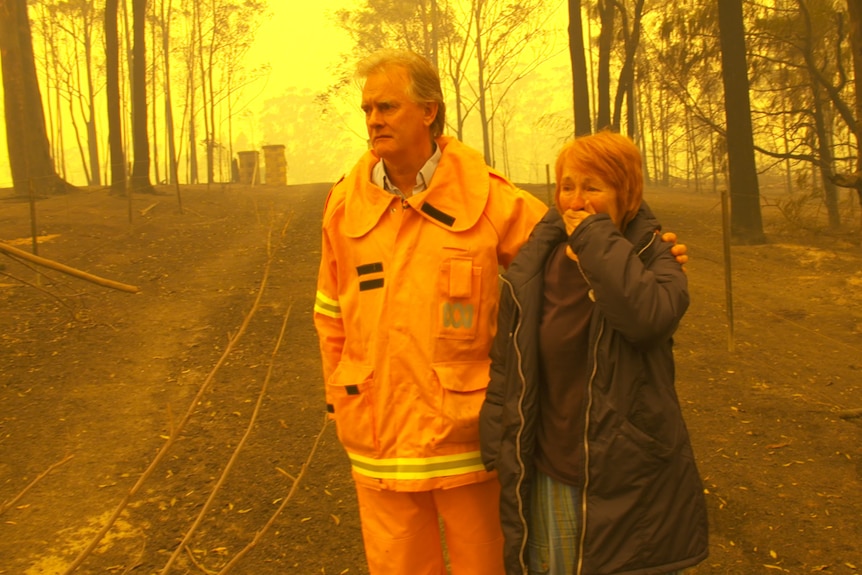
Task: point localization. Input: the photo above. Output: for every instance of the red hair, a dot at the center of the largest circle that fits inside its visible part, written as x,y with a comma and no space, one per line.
615,160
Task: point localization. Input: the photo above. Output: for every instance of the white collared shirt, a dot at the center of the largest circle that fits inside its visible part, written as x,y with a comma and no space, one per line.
423,178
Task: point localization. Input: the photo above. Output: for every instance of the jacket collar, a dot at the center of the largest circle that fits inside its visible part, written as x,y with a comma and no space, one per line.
380,178
455,198
530,261
551,231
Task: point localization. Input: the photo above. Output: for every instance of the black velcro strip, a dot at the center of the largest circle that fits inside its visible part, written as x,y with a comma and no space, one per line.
441,217
351,389
371,284
369,268
330,408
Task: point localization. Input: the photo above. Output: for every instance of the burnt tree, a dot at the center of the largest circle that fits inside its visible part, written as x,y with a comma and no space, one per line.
746,223
26,135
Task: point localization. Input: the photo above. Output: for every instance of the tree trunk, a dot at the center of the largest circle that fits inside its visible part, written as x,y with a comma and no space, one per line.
651,176
59,144
435,36
112,77
140,180
191,105
824,148
27,140
154,121
169,111
211,132
746,224
205,106
480,60
854,9
92,138
126,103
606,39
627,73
580,84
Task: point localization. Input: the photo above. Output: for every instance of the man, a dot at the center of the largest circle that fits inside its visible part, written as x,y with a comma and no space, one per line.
406,301
406,311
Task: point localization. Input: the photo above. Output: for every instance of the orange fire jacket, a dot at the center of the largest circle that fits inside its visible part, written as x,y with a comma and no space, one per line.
406,311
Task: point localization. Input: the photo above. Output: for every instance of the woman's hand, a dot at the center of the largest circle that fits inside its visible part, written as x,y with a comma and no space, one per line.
573,219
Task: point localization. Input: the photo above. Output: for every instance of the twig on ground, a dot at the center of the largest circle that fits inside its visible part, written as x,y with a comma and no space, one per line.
177,430
146,210
236,451
43,290
259,535
5,507
197,563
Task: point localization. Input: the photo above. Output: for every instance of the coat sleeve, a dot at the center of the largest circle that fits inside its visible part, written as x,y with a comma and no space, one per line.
327,308
642,301
491,414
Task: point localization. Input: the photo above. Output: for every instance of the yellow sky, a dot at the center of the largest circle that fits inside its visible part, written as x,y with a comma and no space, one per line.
301,42
298,39
302,45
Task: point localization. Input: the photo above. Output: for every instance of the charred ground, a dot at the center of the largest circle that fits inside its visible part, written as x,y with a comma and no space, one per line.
95,382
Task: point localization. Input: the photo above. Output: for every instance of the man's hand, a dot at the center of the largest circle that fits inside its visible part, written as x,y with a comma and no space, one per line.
678,250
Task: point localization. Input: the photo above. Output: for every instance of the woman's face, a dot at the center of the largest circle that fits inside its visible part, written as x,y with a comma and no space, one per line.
586,192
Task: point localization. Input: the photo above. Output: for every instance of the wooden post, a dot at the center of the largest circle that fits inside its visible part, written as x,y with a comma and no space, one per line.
728,282
34,229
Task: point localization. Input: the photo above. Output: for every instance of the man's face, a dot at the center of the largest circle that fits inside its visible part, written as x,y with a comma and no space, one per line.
398,127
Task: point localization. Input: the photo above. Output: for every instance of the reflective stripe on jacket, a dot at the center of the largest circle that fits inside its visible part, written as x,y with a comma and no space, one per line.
406,311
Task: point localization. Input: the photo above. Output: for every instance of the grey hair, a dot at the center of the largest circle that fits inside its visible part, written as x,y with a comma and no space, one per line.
424,86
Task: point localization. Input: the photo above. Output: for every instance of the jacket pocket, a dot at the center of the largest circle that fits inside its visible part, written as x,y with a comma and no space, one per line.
462,391
460,289
646,443
350,399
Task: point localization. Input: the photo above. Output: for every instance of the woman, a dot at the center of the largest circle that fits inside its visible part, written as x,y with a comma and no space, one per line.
581,419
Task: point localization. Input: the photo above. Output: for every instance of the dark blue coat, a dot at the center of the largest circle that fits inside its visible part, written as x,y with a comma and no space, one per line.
643,510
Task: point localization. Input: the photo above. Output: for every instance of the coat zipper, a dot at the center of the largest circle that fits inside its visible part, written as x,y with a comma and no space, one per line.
521,418
583,530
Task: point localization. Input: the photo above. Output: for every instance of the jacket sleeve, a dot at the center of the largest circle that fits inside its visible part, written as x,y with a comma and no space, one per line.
327,310
642,301
491,414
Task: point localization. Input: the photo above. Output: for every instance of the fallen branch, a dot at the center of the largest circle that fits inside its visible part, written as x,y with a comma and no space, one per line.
226,471
231,344
39,288
4,247
259,535
146,210
5,507
197,563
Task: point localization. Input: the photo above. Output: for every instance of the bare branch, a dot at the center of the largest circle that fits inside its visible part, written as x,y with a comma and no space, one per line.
4,247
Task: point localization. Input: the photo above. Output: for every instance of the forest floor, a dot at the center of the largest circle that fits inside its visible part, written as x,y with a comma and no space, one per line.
181,429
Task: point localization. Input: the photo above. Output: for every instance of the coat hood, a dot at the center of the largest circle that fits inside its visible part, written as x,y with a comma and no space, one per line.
455,207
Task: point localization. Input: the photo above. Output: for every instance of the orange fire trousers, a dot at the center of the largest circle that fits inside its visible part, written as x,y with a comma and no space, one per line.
402,532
